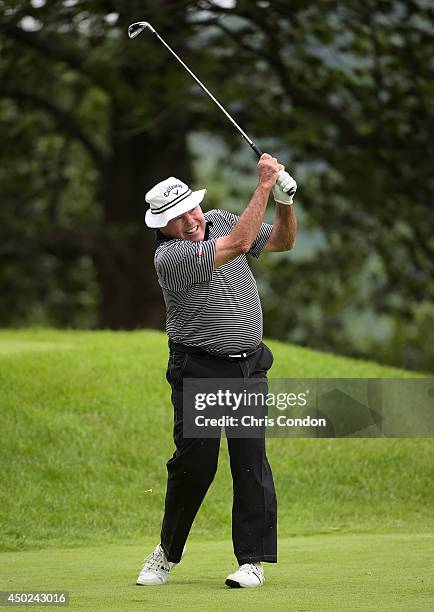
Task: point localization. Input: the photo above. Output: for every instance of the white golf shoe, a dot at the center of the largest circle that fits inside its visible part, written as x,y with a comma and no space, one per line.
155,568
248,575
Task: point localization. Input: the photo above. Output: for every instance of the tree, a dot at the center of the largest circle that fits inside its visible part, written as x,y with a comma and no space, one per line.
349,89
66,61
341,90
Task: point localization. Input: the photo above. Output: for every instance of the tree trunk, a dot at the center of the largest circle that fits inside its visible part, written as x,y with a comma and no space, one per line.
130,294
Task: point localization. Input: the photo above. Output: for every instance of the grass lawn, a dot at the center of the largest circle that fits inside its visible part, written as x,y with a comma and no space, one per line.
86,425
338,572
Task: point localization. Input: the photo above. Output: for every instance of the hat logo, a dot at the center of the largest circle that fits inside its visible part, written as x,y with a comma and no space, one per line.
171,188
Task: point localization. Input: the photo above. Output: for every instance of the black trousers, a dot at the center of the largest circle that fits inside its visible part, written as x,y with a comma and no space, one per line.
192,467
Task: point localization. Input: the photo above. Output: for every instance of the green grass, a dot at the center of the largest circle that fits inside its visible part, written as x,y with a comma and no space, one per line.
86,425
338,572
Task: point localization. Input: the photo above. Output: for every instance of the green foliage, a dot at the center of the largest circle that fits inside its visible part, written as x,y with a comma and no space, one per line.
340,92
348,96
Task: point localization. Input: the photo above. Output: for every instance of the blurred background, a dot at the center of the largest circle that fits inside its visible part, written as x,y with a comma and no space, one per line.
341,93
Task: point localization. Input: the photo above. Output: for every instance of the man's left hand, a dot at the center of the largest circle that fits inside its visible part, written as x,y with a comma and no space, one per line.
284,189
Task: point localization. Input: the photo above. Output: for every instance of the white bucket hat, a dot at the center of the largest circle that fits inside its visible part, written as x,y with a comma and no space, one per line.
168,200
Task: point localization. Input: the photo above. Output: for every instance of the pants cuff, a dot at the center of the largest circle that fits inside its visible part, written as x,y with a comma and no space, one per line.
263,559
170,557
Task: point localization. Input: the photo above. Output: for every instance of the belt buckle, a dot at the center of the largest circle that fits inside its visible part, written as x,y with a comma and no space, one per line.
238,356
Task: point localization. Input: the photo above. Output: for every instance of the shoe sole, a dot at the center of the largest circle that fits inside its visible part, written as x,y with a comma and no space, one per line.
233,584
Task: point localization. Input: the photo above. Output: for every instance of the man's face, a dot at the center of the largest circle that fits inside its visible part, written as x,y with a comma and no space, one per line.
189,226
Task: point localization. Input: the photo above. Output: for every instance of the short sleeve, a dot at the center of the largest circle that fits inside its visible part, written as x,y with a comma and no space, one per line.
183,263
260,240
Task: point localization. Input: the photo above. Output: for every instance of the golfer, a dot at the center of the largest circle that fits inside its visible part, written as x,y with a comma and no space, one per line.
214,324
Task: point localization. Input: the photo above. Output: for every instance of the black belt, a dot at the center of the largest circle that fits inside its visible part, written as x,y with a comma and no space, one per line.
196,350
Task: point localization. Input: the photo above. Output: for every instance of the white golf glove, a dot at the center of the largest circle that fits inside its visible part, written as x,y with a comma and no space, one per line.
284,189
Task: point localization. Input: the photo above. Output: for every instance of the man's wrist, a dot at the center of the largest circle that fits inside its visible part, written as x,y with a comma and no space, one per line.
267,187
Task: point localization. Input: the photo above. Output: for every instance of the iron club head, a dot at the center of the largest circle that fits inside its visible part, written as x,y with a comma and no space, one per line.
137,28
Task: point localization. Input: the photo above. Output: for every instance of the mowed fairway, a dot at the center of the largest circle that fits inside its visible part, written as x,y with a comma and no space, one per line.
86,425
350,572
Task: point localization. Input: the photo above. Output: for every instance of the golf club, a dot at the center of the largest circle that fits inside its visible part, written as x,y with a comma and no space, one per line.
135,29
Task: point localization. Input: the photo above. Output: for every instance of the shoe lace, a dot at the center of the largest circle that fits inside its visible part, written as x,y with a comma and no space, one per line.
250,568
156,561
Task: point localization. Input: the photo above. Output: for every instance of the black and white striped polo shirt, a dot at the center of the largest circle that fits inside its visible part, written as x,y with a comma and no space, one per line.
218,310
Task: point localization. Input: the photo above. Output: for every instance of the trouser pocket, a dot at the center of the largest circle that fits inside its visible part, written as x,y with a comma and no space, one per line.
263,362
176,366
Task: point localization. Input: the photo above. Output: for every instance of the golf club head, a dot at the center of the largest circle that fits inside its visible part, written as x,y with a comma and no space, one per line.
137,28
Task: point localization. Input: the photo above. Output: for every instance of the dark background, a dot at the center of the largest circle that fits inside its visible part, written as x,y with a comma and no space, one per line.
340,92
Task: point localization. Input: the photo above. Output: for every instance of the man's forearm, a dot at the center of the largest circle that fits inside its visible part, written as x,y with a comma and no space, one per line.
282,237
249,223
241,237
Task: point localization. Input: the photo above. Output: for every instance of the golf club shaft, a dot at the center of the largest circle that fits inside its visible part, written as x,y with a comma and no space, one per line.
234,123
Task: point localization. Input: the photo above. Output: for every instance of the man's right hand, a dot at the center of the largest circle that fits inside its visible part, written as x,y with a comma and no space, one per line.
268,169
